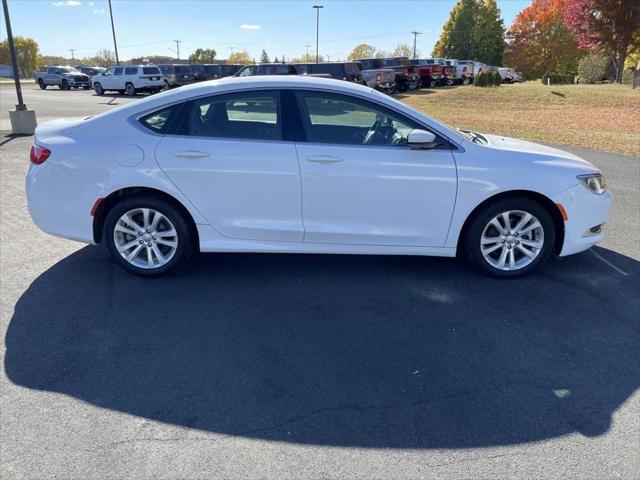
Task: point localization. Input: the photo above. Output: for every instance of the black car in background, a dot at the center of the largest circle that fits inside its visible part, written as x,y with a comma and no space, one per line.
176,75
91,71
349,71
266,69
407,76
229,69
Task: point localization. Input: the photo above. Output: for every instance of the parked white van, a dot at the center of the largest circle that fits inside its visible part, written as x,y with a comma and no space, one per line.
129,79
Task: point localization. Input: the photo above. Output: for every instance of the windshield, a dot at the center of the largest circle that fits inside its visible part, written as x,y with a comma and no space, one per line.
68,70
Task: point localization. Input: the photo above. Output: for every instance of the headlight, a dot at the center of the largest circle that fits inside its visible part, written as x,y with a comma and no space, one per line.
594,182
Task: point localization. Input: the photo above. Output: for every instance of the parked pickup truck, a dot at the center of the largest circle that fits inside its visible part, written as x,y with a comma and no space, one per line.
406,75
464,71
64,77
508,75
349,71
383,79
448,77
430,72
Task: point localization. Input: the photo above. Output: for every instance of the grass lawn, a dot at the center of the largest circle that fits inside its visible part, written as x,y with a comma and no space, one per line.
600,117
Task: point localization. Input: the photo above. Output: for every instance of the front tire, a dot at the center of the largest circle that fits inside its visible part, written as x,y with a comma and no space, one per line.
41,84
98,89
147,236
510,237
65,85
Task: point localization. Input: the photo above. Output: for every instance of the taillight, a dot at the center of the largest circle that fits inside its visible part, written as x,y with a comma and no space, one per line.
38,154
464,69
378,77
405,71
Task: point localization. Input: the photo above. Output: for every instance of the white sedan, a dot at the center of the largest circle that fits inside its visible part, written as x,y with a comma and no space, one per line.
308,165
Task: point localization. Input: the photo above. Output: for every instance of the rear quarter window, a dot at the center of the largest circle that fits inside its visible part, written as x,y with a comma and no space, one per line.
150,71
160,121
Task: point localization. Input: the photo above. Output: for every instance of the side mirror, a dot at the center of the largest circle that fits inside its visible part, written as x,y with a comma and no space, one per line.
421,139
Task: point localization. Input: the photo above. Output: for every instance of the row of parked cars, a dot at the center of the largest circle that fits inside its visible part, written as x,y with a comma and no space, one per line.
390,75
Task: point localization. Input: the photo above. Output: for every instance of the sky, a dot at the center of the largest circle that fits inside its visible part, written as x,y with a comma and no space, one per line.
285,27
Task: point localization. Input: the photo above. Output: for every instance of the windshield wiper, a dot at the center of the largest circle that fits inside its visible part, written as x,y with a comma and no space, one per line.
476,137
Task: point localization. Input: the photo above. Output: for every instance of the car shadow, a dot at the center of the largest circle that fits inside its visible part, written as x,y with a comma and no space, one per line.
385,352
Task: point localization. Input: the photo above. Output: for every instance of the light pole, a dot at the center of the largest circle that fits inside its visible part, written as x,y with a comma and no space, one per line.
113,31
178,42
317,7
23,120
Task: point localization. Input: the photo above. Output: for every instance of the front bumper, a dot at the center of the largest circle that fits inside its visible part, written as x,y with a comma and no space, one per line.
585,211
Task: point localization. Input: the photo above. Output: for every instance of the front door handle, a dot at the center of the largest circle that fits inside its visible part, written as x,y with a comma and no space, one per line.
191,154
324,159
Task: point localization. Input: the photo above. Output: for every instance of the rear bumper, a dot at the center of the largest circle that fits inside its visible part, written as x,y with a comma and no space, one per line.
60,203
585,211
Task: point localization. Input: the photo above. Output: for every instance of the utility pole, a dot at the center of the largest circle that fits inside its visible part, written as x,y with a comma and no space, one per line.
178,42
23,120
72,58
113,31
317,7
307,47
415,37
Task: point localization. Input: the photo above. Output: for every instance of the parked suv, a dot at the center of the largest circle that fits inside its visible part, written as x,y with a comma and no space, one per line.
176,75
350,71
227,70
406,75
129,79
266,69
64,77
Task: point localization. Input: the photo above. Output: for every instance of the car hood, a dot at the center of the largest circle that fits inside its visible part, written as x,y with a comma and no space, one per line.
546,153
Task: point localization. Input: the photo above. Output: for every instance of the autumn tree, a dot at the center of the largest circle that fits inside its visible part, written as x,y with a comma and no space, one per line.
241,57
364,50
203,55
538,41
474,30
27,55
403,50
612,26
103,58
307,58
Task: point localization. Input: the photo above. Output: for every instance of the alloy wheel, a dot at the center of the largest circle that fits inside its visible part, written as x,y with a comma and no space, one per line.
145,238
512,240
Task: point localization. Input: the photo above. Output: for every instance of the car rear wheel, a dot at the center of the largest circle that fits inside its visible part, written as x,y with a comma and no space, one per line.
65,85
130,89
147,236
510,237
98,89
41,84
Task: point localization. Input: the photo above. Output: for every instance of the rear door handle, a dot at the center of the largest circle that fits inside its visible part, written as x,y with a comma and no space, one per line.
324,159
191,154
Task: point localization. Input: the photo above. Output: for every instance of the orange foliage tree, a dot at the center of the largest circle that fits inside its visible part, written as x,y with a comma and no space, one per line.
538,41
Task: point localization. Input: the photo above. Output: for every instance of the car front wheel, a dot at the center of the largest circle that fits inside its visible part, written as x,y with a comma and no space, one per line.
98,89
130,89
41,84
147,236
510,237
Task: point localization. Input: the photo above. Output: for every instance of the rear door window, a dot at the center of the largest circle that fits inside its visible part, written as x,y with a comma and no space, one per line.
130,71
118,71
247,115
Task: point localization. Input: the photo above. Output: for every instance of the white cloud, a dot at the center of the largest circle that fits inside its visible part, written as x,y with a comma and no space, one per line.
102,10
91,3
247,26
68,3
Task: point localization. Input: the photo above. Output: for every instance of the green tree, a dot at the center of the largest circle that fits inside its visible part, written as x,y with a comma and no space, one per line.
403,50
364,50
593,68
475,30
264,57
203,55
27,55
489,34
457,37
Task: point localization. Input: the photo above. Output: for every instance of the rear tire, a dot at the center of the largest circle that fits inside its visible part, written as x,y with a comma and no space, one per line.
149,250
41,84
512,250
130,89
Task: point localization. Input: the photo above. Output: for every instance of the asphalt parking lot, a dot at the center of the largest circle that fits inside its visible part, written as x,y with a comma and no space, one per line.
311,366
